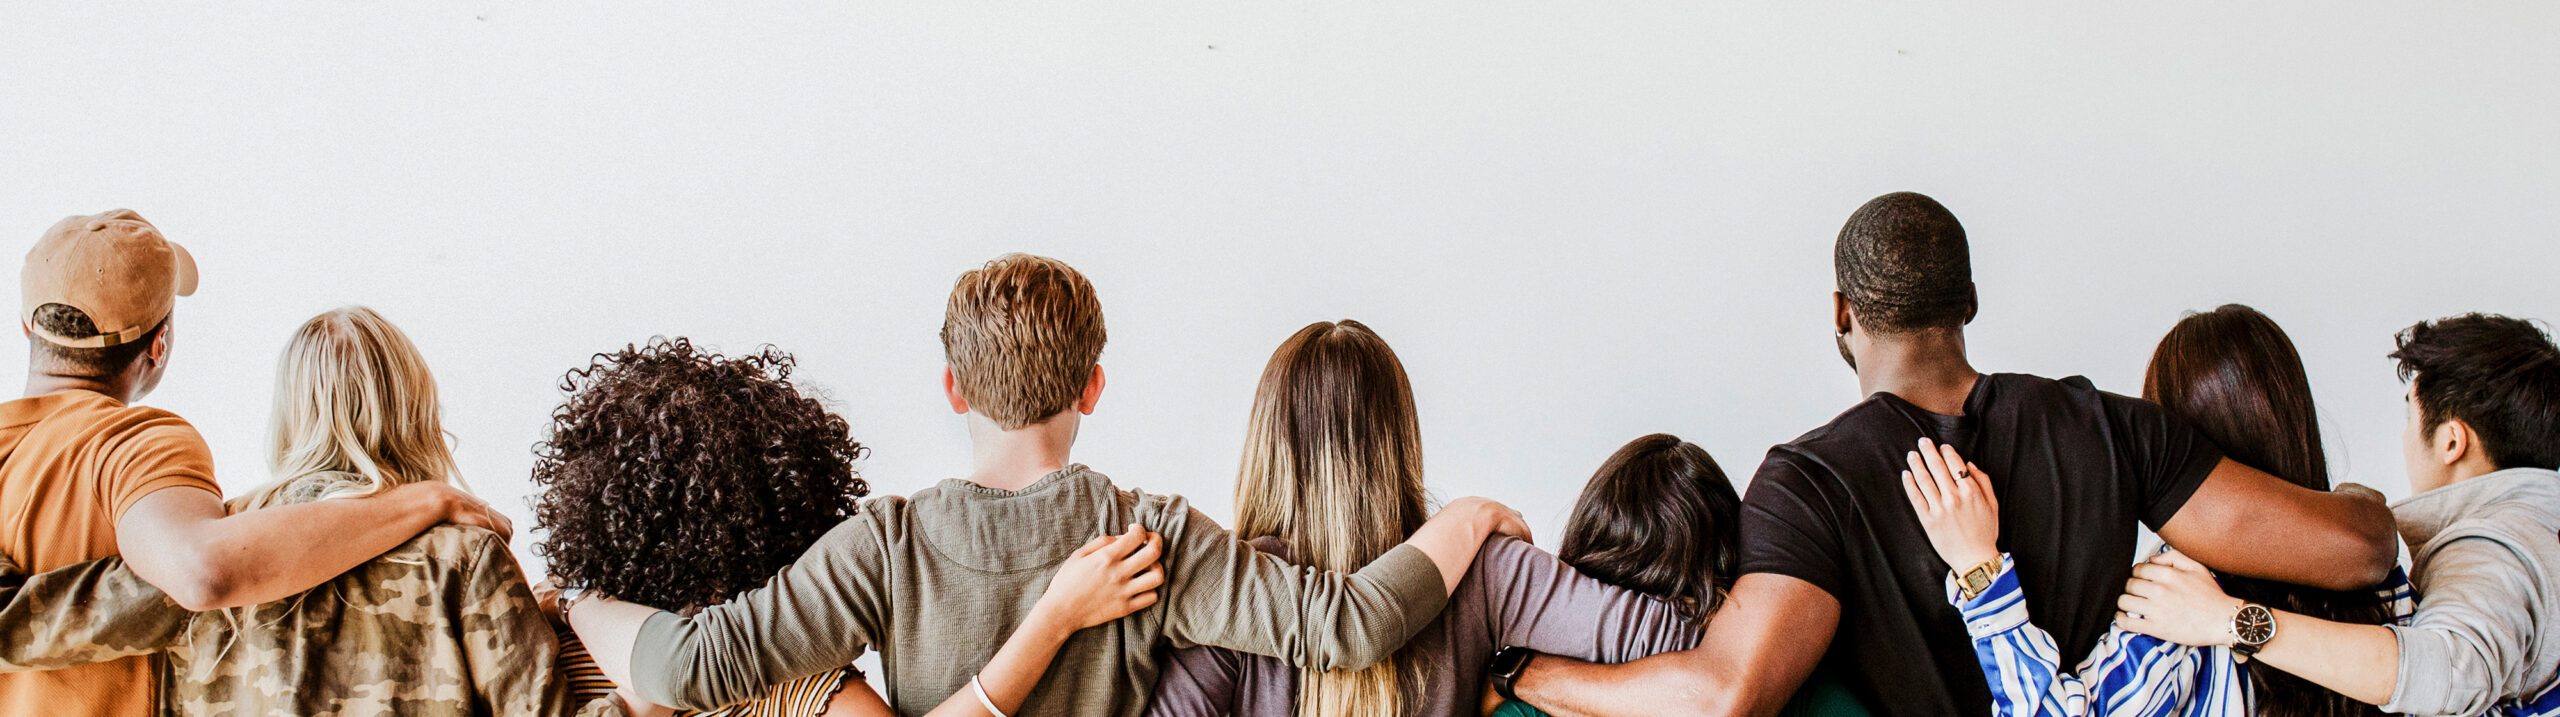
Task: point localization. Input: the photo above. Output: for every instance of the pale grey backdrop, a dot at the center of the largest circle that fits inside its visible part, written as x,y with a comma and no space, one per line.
1577,223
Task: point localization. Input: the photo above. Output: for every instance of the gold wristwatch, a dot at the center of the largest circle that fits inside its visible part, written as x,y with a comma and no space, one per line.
1972,582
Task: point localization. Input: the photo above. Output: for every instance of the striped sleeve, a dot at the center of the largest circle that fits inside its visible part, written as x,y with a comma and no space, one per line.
2019,660
2126,675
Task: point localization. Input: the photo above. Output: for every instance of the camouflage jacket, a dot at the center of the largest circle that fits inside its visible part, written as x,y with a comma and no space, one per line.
442,625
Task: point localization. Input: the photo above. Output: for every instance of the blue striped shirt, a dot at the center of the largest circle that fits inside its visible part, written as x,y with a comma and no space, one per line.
2126,675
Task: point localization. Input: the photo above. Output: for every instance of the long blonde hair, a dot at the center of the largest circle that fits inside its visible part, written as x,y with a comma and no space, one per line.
1333,466
353,396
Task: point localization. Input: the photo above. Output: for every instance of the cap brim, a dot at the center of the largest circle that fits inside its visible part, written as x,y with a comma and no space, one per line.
185,266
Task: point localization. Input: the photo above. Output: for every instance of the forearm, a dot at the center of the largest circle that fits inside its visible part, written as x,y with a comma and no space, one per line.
2019,660
1009,676
2359,661
206,560
610,628
1451,540
1666,684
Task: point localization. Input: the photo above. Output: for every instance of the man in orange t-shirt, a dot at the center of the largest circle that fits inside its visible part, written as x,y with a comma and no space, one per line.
86,475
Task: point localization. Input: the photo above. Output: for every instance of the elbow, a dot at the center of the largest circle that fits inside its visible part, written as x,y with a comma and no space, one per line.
202,589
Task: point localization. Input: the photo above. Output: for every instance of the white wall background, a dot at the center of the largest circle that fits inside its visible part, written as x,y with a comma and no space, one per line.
1577,222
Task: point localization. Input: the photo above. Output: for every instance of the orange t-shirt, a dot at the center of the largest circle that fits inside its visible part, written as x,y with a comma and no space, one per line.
70,464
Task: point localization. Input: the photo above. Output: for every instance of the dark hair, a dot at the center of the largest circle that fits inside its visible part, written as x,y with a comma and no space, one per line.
1659,518
2497,374
1904,266
678,478
69,322
2234,375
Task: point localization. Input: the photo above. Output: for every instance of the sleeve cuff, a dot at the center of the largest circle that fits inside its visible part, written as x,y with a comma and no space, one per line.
653,658
2000,608
1414,581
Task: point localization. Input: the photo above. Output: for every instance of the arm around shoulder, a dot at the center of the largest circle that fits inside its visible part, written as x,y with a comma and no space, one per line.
1225,593
819,614
1757,650
80,614
2336,540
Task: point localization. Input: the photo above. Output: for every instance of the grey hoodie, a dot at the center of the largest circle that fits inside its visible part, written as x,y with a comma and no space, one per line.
2487,557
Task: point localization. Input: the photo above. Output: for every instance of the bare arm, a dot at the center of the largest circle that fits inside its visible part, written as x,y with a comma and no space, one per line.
2454,658
1759,648
180,540
2339,540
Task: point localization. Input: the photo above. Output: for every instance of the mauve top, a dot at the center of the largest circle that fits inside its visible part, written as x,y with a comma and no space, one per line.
1514,594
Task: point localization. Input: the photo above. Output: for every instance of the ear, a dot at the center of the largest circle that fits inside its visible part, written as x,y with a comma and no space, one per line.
1841,318
159,351
1972,303
2453,441
1092,392
951,391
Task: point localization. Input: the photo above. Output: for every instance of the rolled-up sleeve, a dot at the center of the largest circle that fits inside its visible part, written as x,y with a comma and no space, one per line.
2464,652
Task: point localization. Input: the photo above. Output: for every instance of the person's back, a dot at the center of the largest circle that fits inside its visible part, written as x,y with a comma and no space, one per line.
67,473
442,625
2079,469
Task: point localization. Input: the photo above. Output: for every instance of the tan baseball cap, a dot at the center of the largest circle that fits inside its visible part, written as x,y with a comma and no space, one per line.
115,267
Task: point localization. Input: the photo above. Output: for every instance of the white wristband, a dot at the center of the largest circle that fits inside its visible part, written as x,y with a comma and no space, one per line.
983,701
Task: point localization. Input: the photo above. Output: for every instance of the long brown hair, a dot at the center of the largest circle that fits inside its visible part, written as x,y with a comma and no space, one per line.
1333,466
2233,374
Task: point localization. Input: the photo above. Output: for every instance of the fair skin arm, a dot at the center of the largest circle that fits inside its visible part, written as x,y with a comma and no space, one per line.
181,541
2174,598
1106,579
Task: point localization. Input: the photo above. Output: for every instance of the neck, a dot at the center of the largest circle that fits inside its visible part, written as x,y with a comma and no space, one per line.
1015,459
40,384
1927,368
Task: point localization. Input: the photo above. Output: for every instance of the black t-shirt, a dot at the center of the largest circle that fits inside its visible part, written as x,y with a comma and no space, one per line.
2074,468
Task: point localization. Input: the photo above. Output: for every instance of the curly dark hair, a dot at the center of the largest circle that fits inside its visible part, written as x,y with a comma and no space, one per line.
677,477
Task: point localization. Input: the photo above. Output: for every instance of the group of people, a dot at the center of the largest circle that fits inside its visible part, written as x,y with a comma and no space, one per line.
710,550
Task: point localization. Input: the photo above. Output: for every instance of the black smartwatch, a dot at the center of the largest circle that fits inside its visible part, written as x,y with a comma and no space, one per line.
1508,663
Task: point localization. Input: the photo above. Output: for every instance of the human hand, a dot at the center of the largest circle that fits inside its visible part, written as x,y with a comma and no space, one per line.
1108,578
2174,598
1491,518
455,506
1956,505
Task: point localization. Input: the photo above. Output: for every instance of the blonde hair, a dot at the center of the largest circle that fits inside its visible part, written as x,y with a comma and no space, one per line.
1333,465
1022,335
353,396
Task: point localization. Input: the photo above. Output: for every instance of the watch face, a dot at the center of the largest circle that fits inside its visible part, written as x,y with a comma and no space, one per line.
2254,624
1977,581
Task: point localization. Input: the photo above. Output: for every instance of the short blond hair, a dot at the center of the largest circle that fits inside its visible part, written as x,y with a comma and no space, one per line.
1022,335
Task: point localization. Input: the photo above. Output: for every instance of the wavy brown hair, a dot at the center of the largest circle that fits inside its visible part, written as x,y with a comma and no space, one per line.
677,477
2234,375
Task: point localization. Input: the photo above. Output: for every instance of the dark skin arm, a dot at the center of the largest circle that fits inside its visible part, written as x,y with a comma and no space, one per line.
2336,540
1759,648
